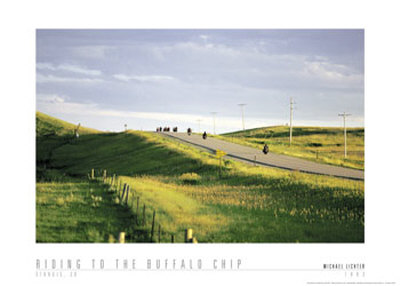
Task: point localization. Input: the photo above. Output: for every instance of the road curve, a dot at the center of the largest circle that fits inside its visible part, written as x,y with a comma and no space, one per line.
253,155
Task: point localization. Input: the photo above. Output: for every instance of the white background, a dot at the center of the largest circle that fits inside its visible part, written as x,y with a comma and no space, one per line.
19,19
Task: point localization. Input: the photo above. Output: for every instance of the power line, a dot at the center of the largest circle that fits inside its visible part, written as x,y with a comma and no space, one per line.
344,114
291,119
242,107
213,114
199,120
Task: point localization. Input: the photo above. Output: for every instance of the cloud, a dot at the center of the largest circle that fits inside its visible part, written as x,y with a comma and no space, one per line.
143,78
43,66
50,98
253,65
204,37
68,68
40,78
325,70
92,52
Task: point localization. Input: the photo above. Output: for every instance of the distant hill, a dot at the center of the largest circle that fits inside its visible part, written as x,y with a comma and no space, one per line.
320,144
283,131
47,125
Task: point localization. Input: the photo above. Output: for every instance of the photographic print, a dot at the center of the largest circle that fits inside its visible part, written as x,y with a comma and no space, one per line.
200,136
184,143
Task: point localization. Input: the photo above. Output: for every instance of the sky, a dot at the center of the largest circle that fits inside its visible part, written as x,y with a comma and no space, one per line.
105,79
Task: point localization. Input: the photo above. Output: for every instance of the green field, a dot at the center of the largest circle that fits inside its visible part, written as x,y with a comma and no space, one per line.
319,144
78,211
183,186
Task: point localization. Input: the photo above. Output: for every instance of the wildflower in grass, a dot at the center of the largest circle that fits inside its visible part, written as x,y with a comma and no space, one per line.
60,201
96,200
70,198
41,201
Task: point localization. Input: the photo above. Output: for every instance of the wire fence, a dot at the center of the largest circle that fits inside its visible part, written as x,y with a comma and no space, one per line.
126,196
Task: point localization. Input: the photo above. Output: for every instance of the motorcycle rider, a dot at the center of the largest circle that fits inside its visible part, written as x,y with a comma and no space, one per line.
265,149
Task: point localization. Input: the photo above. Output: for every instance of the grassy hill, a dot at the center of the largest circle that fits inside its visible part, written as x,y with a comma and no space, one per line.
49,126
320,144
183,186
52,133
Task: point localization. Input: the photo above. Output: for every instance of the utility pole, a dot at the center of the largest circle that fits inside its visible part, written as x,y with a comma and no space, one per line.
344,114
199,120
213,114
291,119
242,107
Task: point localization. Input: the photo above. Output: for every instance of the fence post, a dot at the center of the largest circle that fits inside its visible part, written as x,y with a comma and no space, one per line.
123,193
121,238
188,235
92,174
255,160
144,215
104,176
152,226
111,238
137,211
220,167
127,195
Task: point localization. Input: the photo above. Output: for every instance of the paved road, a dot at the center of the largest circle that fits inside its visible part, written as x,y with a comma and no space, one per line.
251,155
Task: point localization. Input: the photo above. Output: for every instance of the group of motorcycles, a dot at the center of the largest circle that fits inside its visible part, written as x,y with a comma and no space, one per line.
189,132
